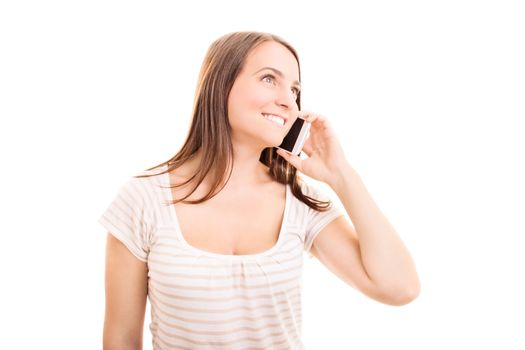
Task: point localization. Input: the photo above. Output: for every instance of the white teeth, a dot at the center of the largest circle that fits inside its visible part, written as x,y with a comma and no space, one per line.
275,119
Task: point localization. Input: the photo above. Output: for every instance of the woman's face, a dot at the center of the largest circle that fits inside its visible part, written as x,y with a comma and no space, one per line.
268,84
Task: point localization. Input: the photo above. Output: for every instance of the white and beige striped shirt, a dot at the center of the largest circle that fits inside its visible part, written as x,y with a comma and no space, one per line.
204,300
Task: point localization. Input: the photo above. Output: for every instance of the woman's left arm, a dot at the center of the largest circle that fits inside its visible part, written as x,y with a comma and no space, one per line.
372,256
384,256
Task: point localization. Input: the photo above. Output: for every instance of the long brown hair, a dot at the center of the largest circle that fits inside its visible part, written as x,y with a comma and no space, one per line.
210,128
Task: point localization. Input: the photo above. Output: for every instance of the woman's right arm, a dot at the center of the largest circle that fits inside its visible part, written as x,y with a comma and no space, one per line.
126,293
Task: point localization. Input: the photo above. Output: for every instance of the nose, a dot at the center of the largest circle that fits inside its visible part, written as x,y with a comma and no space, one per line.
286,99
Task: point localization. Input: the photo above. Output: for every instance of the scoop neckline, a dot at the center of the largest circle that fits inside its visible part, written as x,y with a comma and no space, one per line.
200,251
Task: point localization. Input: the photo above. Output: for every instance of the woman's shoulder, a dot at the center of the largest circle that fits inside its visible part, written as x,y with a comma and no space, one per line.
145,181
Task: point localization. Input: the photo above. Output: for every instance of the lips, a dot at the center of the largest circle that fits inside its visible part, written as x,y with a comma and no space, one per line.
277,115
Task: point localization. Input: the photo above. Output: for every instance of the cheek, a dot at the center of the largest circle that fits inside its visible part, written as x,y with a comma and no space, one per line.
257,96
248,99
239,105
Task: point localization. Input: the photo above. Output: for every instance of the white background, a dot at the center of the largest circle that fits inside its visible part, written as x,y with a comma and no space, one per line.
427,99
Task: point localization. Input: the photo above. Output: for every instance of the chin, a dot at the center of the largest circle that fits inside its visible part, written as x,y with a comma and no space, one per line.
272,143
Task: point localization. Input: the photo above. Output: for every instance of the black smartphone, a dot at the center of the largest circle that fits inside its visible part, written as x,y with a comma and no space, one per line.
294,140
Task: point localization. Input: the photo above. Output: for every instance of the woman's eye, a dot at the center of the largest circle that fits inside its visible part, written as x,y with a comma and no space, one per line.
269,78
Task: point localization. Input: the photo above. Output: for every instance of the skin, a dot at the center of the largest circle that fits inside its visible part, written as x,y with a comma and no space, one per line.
253,93
256,91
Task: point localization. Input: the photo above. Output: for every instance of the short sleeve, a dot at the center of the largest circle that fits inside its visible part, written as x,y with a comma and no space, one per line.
126,218
317,220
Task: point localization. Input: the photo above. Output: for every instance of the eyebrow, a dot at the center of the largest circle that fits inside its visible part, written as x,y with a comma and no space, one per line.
279,73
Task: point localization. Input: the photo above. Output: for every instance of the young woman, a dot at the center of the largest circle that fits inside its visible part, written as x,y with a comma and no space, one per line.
215,236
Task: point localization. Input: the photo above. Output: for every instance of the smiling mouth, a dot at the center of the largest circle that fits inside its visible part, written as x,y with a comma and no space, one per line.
274,119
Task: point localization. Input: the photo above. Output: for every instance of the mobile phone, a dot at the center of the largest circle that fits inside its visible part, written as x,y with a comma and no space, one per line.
294,140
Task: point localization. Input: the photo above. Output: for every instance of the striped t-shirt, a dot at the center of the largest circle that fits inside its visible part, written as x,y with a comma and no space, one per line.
204,300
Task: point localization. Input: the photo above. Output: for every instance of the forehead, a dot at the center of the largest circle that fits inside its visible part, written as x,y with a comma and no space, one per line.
275,55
